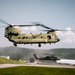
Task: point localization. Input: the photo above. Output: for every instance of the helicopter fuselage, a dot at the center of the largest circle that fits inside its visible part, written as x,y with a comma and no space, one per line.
14,35
48,57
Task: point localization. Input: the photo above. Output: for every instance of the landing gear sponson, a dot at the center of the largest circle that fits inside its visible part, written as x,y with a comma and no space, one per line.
39,45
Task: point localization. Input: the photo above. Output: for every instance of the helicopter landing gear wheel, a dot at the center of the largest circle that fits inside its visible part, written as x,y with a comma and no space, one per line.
39,45
15,44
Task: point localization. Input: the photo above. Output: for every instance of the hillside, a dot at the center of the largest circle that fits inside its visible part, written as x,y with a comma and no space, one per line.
17,53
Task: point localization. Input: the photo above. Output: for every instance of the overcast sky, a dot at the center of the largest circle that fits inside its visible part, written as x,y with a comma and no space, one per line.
58,14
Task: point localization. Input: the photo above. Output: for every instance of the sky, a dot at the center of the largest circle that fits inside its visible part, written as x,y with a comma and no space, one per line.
57,14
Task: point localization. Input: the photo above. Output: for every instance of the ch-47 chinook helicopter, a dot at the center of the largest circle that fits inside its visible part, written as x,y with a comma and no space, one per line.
14,35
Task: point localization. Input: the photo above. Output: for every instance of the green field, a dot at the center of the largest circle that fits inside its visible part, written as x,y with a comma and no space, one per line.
9,61
23,70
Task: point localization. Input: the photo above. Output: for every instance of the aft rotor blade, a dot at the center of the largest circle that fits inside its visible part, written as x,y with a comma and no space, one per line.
26,25
42,25
62,30
57,30
2,21
46,27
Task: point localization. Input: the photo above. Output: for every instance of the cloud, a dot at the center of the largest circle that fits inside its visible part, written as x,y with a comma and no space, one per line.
25,28
29,29
67,36
33,28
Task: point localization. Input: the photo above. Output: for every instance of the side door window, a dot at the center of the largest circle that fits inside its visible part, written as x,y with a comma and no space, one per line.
49,37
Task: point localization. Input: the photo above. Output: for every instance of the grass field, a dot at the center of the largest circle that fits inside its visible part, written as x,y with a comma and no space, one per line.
23,70
9,61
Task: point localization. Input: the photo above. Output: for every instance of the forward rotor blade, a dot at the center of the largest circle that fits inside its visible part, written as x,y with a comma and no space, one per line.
2,21
26,25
